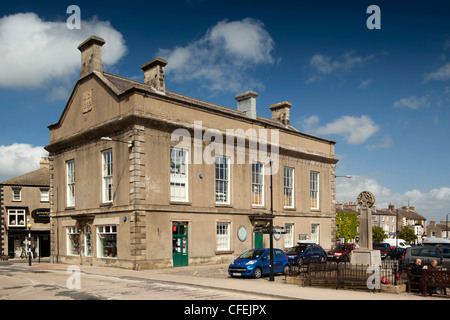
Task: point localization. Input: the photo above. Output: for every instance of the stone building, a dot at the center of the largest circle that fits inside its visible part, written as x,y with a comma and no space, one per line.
438,230
25,213
142,177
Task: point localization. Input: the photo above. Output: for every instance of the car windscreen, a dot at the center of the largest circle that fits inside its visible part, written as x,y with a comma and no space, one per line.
297,249
251,254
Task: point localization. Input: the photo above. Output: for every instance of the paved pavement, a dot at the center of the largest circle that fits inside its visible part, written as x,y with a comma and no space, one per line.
216,276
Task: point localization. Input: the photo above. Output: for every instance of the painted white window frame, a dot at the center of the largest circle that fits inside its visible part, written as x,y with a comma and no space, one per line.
71,232
179,175
222,172
17,213
288,189
289,235
70,177
17,194
314,190
105,230
258,186
223,232
107,176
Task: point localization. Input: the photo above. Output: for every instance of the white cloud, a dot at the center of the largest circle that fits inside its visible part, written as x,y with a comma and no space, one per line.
354,130
34,52
430,204
386,143
18,159
324,65
223,57
365,83
441,74
412,102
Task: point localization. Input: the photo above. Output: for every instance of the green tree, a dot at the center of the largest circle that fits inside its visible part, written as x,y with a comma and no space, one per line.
378,234
346,225
407,234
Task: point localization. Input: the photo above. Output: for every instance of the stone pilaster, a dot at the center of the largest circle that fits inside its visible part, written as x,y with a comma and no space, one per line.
137,165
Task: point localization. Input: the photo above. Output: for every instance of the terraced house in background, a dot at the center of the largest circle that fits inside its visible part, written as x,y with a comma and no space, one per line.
25,213
136,181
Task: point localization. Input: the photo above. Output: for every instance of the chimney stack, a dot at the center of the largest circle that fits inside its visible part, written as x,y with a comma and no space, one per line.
280,112
44,163
391,207
154,74
246,102
91,55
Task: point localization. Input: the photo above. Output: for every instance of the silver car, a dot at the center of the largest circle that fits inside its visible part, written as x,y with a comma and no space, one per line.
428,253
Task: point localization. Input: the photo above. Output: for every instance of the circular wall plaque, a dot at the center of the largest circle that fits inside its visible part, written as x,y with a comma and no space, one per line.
242,233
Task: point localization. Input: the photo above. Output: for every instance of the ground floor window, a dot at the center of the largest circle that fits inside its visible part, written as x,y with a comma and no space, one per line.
289,235
73,241
315,232
223,236
87,242
107,241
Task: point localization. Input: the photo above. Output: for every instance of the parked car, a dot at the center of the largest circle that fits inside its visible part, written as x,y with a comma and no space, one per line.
340,252
426,254
306,253
395,253
256,262
383,247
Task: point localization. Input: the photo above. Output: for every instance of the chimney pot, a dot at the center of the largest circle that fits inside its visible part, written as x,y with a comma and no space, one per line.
91,55
246,102
154,74
280,112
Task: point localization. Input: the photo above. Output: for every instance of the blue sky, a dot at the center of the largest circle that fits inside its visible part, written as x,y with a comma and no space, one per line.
383,95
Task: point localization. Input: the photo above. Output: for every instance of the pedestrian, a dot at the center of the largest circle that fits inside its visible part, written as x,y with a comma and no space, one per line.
33,251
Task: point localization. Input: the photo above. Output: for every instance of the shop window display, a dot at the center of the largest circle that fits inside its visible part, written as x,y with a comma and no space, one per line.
107,241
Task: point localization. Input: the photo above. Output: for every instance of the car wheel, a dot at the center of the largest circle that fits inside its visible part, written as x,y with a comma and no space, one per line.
286,270
300,262
257,273
322,259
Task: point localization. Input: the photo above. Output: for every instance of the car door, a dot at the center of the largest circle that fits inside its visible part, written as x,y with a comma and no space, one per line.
277,261
265,262
308,255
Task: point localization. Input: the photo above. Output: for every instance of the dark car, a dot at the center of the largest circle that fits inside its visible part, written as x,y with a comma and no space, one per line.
395,253
340,252
256,262
383,247
306,253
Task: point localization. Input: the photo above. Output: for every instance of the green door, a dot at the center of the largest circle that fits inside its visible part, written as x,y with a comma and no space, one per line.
259,241
180,244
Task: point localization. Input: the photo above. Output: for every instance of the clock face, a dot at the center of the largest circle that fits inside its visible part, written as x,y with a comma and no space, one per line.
242,233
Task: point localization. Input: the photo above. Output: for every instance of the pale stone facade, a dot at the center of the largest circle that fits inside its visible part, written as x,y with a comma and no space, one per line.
119,198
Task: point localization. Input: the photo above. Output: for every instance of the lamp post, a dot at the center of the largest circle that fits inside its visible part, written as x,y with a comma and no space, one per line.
29,243
271,278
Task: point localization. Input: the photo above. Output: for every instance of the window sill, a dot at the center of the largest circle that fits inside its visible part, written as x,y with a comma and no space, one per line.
181,203
289,209
219,252
224,205
69,208
106,204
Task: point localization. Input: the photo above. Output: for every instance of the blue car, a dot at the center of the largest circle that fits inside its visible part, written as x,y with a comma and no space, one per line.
306,253
256,262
